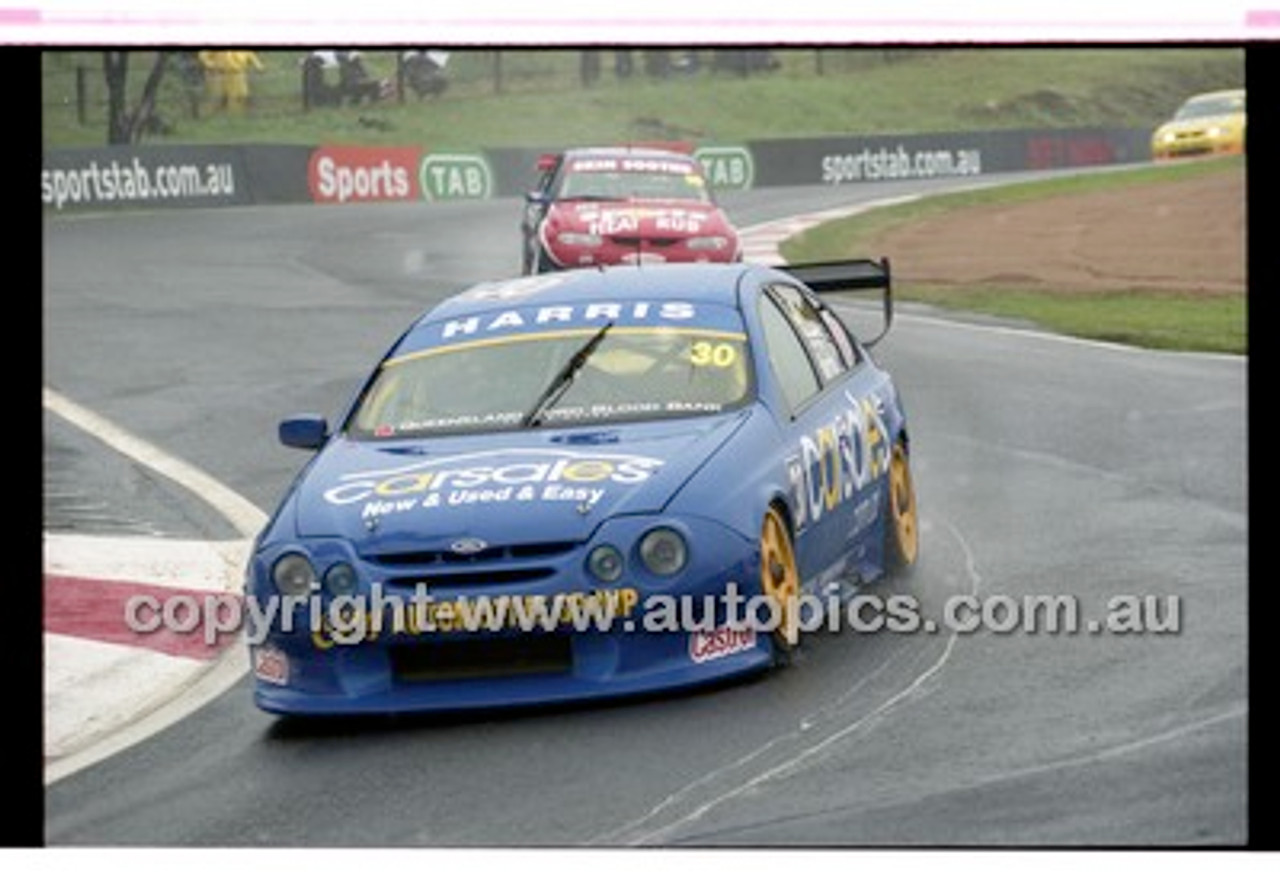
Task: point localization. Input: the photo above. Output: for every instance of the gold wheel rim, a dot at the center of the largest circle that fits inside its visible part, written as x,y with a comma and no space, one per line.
779,575
902,504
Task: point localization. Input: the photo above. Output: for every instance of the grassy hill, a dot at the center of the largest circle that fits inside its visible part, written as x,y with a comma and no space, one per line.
539,98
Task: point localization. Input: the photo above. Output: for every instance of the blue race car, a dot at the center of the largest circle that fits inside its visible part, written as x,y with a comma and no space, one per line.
582,484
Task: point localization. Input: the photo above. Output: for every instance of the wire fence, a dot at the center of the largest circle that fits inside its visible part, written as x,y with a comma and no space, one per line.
199,83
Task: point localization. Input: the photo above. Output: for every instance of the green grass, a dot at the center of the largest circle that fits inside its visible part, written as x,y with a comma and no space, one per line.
1198,322
536,99
1160,320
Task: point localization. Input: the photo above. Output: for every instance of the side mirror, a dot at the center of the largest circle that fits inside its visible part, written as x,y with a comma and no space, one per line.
304,432
536,198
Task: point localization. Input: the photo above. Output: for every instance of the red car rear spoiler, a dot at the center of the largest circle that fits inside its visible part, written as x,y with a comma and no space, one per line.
547,160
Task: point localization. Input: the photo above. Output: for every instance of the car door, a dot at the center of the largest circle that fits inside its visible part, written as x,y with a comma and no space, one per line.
828,427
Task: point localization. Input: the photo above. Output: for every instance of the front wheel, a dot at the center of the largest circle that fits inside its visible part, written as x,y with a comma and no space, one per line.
780,580
542,263
902,528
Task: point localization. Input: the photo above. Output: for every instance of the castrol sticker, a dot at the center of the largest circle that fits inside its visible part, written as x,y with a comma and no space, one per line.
719,642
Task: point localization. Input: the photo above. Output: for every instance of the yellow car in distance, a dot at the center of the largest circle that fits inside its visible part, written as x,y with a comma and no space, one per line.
1206,124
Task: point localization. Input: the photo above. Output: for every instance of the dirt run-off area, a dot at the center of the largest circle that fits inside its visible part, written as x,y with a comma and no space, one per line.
1183,236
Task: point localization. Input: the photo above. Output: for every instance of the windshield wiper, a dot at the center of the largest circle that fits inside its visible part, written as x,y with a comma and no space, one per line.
558,385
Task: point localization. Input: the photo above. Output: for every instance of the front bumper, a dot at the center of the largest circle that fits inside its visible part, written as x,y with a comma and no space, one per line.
444,667
1190,146
370,679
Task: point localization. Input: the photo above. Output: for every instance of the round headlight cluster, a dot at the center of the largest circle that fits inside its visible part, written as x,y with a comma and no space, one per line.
605,563
340,580
664,551
294,575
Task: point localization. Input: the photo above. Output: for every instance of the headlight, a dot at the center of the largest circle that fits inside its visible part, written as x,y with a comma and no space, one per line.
663,551
340,579
582,240
707,243
605,563
294,575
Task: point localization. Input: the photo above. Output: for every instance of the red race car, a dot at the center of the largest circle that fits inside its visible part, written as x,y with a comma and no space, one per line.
610,206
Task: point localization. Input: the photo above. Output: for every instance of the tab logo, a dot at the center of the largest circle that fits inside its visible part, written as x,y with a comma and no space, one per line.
727,167
454,177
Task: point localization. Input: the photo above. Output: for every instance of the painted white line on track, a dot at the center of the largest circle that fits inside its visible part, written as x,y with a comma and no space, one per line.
243,515
185,564
92,688
901,315
223,673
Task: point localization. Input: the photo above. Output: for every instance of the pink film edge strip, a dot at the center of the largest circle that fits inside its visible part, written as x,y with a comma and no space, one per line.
28,16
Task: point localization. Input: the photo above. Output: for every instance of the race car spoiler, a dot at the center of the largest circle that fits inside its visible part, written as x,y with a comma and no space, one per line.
849,275
843,275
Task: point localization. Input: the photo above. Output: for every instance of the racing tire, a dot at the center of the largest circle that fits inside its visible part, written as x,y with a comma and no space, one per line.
902,524
780,581
541,263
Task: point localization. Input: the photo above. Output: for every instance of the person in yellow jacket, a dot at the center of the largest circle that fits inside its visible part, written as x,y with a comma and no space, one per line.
236,65
214,65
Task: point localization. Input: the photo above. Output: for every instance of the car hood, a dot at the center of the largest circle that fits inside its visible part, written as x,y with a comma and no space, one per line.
647,219
1203,123
501,489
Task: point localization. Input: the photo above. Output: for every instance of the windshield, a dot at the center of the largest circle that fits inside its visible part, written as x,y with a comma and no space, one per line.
1209,107
678,182
491,384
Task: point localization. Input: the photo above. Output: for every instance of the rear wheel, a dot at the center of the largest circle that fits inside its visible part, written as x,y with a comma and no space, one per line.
780,579
902,530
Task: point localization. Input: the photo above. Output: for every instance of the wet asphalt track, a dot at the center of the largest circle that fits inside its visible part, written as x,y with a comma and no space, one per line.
1044,467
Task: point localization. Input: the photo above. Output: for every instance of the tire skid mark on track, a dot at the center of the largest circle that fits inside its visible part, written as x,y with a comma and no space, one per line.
246,517
806,723
1113,752
632,833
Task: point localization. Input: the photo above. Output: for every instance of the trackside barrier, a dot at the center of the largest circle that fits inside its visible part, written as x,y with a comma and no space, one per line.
214,176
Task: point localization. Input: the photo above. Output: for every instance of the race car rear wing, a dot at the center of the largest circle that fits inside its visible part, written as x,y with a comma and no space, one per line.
849,275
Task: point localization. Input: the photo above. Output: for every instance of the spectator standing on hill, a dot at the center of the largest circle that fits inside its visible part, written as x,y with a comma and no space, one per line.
355,82
236,64
214,64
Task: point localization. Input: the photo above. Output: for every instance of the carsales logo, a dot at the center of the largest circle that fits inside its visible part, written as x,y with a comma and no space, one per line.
340,174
